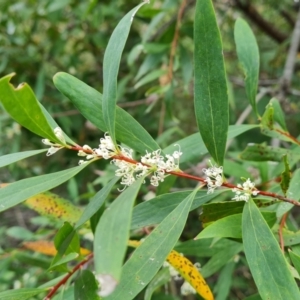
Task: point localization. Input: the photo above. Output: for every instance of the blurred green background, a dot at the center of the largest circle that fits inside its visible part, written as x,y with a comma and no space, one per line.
40,38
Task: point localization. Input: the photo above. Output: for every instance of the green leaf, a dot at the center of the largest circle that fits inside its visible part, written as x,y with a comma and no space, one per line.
262,152
111,64
96,202
21,190
212,212
295,260
222,288
86,286
204,248
217,210
152,212
221,258
160,279
231,226
65,259
66,242
278,113
193,147
293,193
24,108
285,176
267,264
290,238
20,233
112,233
54,207
211,99
269,128
20,294
248,55
8,159
89,102
146,260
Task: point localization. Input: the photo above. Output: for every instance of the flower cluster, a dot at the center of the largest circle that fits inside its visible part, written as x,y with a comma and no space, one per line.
186,288
53,146
159,164
130,171
214,177
244,191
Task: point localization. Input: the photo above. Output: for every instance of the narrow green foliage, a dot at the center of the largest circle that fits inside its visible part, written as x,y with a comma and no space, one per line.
146,260
278,113
111,64
285,176
89,102
112,233
96,202
268,265
8,159
20,294
21,190
248,54
211,99
230,227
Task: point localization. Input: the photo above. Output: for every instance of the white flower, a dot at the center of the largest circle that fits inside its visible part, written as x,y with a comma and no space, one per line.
107,284
106,148
244,191
214,177
173,272
187,289
59,134
53,146
159,164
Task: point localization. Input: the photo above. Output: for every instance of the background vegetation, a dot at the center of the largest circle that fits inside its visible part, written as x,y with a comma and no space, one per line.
40,38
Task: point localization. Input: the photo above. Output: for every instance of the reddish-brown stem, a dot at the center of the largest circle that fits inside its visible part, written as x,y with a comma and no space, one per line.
65,279
188,176
282,223
288,135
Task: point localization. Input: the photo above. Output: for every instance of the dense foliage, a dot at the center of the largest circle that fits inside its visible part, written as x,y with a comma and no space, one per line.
129,88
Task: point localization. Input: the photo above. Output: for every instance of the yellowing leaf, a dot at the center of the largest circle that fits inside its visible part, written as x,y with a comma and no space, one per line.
187,270
48,248
190,273
53,206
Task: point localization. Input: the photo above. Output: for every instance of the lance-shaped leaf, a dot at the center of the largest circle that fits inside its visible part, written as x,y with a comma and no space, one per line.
112,234
152,212
211,99
267,263
231,226
96,202
248,54
89,102
146,260
8,159
21,190
22,105
111,64
21,294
